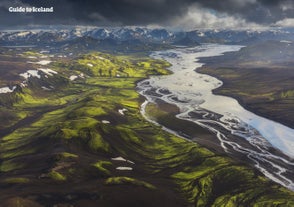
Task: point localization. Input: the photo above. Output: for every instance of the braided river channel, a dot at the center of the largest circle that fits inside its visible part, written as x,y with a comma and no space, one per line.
237,130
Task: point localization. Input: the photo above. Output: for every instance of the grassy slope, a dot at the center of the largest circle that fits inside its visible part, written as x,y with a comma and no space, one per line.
62,153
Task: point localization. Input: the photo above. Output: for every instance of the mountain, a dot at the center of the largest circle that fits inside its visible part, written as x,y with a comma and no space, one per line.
145,35
186,41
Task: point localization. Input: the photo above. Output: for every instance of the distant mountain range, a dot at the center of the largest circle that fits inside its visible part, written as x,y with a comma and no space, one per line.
143,36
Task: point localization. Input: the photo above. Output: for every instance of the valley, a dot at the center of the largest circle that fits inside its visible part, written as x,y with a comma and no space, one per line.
266,144
72,134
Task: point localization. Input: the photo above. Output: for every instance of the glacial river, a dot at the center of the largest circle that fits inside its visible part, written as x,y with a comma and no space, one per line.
192,93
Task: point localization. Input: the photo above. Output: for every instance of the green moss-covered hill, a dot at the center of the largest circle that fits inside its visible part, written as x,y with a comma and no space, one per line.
85,143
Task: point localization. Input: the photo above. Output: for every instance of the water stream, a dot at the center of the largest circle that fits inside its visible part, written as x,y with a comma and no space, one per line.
192,93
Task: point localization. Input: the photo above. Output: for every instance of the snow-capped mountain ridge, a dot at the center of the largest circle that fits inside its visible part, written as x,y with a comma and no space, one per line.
145,35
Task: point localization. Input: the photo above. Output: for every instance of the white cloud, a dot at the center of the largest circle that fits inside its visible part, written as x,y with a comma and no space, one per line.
288,22
197,17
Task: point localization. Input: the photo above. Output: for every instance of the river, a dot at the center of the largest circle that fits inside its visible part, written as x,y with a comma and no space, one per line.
192,93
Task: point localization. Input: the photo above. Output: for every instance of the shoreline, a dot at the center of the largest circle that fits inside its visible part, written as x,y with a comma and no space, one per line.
227,133
164,115
220,91
199,134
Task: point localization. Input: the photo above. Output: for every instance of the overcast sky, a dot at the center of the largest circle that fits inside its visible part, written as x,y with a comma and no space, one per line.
183,14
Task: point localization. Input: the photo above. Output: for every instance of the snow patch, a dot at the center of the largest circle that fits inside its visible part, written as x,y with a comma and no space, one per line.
30,73
90,65
46,89
122,159
101,58
22,34
73,77
122,111
42,62
23,85
48,71
125,168
32,57
105,122
129,161
119,159
7,89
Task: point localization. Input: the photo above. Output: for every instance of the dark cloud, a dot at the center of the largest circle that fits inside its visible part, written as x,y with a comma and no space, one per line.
142,12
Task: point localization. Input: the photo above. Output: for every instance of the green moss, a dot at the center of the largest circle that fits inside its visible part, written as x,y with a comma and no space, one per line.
17,153
128,181
71,118
69,133
102,166
287,94
103,65
97,143
206,188
57,176
128,134
84,122
9,165
68,155
16,180
90,111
